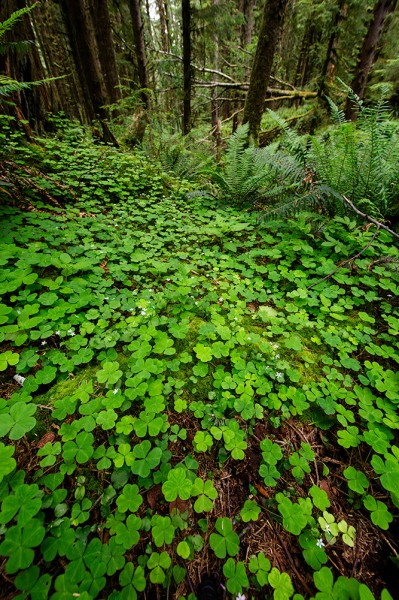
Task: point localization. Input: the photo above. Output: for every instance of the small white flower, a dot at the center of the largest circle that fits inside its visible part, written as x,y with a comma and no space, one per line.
249,338
18,311
43,342
196,303
277,356
279,375
143,312
19,379
320,543
105,297
58,332
328,529
150,290
275,346
267,367
220,299
240,597
167,279
71,332
115,391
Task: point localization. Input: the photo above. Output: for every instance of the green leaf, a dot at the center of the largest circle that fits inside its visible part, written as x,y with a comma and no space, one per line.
357,480
236,576
8,358
203,353
250,511
226,541
19,421
380,514
281,582
177,485
130,499
388,471
319,497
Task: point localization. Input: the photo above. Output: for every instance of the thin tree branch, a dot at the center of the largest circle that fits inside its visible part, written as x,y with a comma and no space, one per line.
345,262
365,216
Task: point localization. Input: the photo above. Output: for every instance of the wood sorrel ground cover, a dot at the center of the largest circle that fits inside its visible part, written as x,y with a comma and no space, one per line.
183,393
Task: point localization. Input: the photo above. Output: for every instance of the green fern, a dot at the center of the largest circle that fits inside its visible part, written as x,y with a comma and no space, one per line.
9,23
253,176
357,160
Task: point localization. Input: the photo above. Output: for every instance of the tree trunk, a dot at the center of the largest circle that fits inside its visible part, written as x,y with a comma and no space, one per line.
25,66
187,68
368,52
106,51
331,54
162,22
138,34
83,40
272,21
247,28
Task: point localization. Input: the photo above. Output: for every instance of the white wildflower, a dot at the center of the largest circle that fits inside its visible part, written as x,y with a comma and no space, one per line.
320,543
279,375
277,356
43,342
240,597
220,299
58,332
19,379
328,529
115,391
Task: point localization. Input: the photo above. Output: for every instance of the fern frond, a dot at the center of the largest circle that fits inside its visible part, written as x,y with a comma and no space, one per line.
337,114
10,86
9,23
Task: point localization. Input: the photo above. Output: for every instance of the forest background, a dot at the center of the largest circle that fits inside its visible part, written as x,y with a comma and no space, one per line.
185,65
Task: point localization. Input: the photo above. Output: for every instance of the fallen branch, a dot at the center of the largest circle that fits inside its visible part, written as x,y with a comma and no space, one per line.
345,262
371,219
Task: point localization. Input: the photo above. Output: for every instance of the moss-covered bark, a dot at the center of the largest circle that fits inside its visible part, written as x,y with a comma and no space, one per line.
272,20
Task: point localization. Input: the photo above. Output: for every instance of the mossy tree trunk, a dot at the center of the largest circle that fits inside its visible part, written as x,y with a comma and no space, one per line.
187,68
369,52
272,21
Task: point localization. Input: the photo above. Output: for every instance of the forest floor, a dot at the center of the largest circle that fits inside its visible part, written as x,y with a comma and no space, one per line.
202,395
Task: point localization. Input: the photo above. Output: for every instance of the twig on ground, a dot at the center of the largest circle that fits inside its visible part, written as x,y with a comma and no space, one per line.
345,262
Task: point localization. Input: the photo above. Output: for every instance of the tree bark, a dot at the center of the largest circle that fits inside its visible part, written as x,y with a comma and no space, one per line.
25,66
331,54
106,51
84,46
272,21
368,52
138,35
162,23
187,68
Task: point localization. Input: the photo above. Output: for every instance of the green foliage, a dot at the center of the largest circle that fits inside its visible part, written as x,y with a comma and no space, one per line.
356,160
158,346
226,541
251,176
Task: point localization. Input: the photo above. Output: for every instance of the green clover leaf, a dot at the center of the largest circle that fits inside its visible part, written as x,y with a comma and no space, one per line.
130,499
177,485
226,541
236,576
